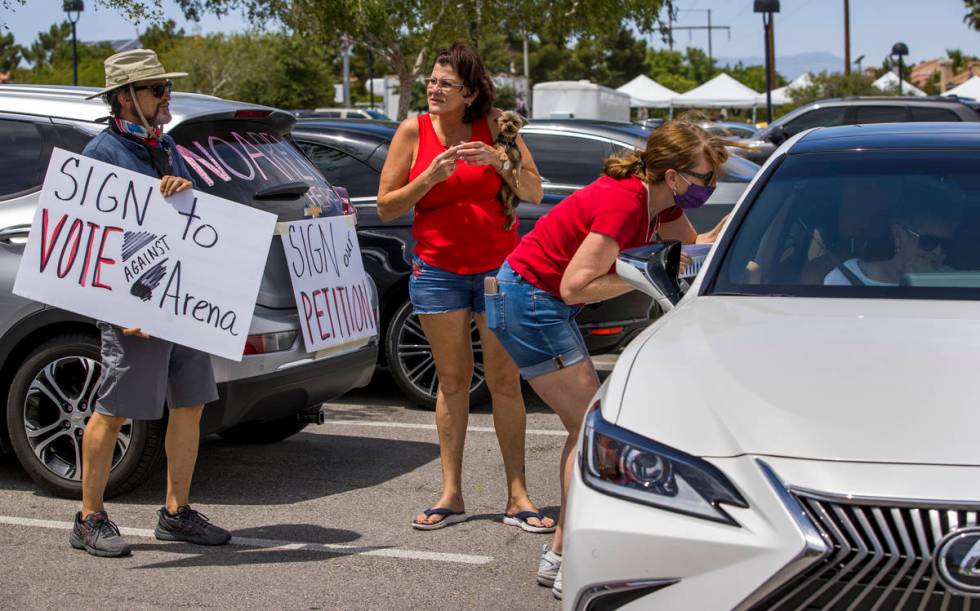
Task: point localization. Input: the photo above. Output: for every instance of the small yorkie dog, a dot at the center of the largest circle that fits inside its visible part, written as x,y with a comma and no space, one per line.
509,123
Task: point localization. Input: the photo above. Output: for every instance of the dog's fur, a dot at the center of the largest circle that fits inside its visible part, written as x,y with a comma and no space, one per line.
509,123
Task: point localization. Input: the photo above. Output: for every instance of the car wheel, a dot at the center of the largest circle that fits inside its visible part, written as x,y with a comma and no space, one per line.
50,402
263,432
413,367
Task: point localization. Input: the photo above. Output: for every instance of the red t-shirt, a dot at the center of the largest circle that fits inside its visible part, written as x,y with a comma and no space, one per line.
612,207
459,223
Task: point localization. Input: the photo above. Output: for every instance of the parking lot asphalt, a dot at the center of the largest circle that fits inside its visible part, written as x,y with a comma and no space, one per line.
320,521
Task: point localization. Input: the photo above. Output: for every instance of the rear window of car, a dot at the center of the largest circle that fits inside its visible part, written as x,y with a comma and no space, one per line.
881,224
927,113
20,157
567,159
342,170
242,159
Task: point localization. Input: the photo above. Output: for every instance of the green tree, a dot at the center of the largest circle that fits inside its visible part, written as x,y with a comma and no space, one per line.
753,76
162,37
972,17
833,85
50,59
10,53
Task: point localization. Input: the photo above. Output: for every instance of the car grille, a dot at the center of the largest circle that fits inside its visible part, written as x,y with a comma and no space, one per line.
880,557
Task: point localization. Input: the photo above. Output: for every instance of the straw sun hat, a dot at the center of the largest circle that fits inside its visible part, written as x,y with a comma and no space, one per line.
131,67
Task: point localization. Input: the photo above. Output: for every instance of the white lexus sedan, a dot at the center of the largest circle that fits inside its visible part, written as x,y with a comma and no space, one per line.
802,429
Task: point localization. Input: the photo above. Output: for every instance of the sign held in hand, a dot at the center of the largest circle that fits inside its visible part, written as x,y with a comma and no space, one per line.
105,243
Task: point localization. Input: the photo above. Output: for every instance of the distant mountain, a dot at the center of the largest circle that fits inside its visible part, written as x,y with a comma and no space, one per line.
792,66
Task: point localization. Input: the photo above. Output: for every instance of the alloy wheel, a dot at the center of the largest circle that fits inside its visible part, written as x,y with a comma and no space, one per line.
58,405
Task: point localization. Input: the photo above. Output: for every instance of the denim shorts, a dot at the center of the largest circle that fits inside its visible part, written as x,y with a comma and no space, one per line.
536,328
436,291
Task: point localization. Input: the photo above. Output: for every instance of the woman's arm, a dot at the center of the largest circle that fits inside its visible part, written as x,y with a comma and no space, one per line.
587,278
396,195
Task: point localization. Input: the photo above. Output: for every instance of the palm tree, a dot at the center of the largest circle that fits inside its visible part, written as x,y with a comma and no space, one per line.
972,18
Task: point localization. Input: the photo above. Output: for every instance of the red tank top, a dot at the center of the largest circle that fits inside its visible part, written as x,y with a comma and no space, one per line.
459,223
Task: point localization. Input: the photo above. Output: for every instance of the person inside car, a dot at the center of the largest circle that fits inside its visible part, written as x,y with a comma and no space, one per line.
569,258
921,239
443,165
140,373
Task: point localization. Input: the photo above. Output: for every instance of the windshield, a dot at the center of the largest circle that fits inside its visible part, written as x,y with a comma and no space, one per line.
891,224
249,162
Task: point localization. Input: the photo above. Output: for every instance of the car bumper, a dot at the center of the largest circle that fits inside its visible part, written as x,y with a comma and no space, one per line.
673,561
293,388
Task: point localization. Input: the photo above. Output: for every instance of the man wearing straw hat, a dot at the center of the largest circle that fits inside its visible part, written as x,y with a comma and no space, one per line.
139,372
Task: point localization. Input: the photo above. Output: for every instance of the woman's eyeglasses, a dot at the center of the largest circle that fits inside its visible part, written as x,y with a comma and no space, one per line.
159,90
441,83
706,178
928,242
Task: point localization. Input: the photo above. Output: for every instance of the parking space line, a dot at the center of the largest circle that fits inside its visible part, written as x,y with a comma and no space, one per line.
432,427
279,545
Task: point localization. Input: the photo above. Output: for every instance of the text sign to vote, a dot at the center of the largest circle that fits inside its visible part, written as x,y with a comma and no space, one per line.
105,243
333,294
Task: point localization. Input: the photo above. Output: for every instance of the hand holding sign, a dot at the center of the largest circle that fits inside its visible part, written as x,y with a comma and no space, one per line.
173,184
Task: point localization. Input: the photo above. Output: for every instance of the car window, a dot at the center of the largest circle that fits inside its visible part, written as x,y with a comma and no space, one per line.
567,159
20,157
242,159
342,170
880,114
872,224
821,117
927,113
72,138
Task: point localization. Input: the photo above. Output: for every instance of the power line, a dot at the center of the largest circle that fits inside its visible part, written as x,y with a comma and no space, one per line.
710,28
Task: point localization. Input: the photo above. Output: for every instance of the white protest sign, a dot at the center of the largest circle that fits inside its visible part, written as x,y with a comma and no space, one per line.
105,243
333,294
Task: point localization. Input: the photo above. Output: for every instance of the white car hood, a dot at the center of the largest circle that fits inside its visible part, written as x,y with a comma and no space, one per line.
837,379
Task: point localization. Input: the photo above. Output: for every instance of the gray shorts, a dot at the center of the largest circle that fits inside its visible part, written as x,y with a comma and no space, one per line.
139,374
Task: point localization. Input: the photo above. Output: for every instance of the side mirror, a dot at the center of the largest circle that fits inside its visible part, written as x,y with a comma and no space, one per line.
653,269
778,135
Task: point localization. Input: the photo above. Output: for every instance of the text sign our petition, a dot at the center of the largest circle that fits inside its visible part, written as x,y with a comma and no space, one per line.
333,294
105,243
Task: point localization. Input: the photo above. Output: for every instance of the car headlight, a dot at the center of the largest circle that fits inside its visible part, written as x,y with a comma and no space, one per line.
623,464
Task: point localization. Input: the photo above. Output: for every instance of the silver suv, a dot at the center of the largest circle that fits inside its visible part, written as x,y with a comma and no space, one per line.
49,358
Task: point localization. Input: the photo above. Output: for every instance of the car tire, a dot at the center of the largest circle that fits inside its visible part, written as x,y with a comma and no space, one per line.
46,436
263,432
412,366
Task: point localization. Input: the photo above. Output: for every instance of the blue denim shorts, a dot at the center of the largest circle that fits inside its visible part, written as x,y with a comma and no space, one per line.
436,291
536,328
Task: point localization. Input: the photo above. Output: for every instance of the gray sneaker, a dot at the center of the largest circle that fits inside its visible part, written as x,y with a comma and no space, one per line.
98,535
548,567
190,526
556,587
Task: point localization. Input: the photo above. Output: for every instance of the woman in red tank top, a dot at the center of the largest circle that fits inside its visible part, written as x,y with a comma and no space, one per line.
443,165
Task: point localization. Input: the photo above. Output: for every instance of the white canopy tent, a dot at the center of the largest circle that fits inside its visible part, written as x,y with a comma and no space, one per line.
781,95
969,89
720,92
644,92
888,83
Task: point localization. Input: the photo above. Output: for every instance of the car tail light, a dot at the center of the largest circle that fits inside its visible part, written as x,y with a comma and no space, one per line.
270,342
607,331
252,114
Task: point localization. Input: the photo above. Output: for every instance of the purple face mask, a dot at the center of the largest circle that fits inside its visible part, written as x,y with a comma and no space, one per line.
694,197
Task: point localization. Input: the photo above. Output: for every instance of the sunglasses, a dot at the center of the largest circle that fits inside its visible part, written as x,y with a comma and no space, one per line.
159,90
928,242
441,83
706,178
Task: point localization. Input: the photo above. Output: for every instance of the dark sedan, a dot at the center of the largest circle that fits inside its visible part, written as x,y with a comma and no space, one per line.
351,153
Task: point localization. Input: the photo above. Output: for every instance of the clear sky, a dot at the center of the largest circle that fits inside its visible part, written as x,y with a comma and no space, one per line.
928,27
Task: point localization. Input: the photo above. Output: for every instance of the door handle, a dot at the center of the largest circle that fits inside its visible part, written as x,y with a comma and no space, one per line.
14,232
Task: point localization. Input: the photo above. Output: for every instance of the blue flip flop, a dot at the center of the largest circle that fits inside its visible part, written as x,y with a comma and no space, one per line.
520,519
451,517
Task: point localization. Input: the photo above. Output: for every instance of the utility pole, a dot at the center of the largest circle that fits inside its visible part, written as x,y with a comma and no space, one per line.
527,74
346,56
710,28
772,50
847,38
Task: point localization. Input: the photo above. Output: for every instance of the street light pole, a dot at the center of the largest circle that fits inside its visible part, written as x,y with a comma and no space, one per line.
767,8
900,49
76,7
